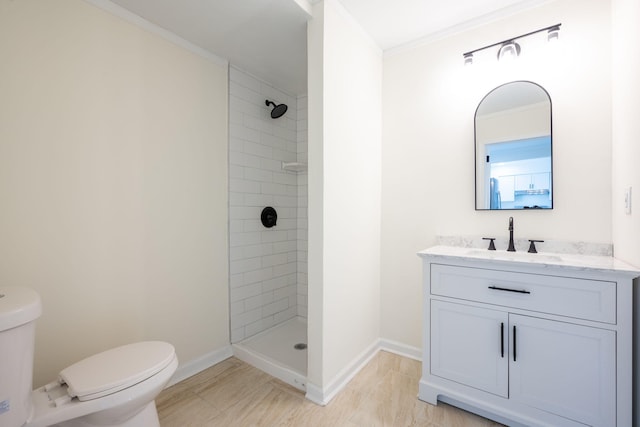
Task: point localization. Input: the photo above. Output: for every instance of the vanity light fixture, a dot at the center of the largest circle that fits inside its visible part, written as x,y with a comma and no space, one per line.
468,58
509,48
553,34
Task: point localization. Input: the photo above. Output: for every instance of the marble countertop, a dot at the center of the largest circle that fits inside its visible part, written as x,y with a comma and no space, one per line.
573,261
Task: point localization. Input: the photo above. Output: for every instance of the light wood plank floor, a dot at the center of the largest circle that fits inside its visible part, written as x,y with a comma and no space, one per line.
233,393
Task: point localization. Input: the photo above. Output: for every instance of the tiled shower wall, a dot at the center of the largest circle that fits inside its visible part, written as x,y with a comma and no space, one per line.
267,265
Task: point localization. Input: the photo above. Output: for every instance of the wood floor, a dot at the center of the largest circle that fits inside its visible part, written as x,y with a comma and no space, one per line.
232,393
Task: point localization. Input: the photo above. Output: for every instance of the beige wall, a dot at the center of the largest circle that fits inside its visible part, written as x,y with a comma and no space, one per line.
113,183
429,99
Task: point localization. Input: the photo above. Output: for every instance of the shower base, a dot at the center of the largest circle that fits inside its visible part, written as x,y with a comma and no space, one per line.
277,352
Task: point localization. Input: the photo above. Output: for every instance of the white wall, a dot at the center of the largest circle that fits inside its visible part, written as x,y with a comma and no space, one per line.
263,261
626,128
113,182
344,185
429,99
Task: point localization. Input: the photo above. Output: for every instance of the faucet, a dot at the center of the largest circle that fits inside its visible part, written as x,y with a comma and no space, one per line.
511,247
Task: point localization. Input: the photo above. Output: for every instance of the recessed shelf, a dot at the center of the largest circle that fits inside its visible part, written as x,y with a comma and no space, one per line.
294,166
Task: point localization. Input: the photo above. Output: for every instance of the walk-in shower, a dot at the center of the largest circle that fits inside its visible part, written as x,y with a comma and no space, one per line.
268,227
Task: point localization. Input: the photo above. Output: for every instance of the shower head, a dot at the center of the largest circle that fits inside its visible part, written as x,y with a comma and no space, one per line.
278,110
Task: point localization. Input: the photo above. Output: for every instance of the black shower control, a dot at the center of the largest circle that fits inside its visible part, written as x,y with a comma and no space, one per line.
269,217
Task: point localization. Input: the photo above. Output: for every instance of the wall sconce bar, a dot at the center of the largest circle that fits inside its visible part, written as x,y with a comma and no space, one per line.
552,31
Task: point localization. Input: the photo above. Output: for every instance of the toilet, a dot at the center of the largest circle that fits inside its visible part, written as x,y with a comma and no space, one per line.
117,387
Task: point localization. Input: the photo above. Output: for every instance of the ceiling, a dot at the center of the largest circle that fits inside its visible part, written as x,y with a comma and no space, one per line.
267,38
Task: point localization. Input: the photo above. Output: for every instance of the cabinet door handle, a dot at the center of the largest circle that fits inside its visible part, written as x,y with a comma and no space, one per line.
520,291
514,343
502,339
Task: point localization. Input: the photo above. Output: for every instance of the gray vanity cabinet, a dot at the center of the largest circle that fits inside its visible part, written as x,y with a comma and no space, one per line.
533,344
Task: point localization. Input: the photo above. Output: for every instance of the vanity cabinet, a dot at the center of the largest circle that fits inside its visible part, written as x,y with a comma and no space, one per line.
527,343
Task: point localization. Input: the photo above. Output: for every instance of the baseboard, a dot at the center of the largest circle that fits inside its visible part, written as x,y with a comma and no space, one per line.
318,395
192,367
322,396
401,349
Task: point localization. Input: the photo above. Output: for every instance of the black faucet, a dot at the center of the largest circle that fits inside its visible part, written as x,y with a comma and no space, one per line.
511,247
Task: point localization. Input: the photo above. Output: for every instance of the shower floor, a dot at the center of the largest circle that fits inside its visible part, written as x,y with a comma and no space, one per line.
273,352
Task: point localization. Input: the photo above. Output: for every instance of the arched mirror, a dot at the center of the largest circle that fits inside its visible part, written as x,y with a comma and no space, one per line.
513,148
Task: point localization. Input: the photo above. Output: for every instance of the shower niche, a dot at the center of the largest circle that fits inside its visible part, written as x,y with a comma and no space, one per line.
268,265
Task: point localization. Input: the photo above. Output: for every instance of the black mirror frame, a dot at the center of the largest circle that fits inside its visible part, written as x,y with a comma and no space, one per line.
475,148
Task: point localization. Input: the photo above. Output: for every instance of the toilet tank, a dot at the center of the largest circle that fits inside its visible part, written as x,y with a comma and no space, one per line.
19,308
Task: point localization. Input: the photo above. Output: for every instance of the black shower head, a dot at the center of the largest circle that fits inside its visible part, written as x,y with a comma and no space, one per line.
278,110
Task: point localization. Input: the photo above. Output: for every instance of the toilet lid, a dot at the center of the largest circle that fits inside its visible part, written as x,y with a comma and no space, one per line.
116,369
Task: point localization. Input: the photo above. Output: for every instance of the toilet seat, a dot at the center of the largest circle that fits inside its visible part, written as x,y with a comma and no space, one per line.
116,369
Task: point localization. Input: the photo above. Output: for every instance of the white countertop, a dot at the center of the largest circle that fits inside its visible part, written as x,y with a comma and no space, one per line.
573,261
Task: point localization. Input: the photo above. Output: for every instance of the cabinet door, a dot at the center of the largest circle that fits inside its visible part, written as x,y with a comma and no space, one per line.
540,181
562,368
522,182
469,346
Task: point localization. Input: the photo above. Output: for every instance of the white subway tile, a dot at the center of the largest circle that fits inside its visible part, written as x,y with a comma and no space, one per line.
236,253
236,308
285,292
258,250
259,326
244,93
255,174
275,283
247,317
237,334
286,246
253,302
245,265
254,224
244,133
285,269
258,276
286,201
242,159
258,200
272,260
284,177
285,315
244,212
275,307
284,155
239,106
244,239
257,149
236,199
244,186
272,141
271,164
244,292
246,80
275,189
271,236
302,311
236,280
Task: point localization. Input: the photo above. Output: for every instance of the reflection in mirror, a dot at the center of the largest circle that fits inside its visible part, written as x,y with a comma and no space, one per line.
513,148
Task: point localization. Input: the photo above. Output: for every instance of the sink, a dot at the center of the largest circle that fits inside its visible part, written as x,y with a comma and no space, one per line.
514,256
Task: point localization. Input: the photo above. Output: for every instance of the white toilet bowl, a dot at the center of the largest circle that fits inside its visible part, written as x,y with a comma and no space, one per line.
114,388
